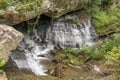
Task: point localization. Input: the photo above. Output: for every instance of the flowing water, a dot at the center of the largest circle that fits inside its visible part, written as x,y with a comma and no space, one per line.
68,31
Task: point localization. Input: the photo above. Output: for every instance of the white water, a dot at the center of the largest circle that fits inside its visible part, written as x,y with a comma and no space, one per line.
61,34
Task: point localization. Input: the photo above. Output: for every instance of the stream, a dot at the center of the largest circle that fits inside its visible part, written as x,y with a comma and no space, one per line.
32,55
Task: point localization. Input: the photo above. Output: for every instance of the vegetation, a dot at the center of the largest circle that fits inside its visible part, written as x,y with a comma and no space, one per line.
2,63
3,4
105,15
97,52
29,6
24,7
113,57
24,4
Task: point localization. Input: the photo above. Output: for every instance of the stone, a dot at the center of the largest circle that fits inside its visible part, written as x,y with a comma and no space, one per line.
13,15
9,39
3,76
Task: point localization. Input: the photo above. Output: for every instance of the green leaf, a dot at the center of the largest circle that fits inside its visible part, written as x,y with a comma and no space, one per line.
1,72
2,63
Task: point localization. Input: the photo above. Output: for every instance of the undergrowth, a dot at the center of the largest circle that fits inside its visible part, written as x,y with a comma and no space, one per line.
105,15
96,52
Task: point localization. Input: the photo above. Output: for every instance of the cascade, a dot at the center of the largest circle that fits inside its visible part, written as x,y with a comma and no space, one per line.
68,31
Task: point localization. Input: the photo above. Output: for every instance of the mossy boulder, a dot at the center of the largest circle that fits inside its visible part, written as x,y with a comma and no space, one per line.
15,11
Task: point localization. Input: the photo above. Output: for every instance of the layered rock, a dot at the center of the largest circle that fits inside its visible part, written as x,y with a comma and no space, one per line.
53,8
9,39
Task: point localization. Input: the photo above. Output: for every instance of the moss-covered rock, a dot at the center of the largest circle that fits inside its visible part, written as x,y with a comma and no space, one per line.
15,11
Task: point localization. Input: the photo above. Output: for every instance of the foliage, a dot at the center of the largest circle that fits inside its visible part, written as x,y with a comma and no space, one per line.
112,49
25,6
92,52
2,63
113,57
117,77
78,56
105,15
69,56
107,20
1,72
3,4
115,41
109,44
29,5
104,2
96,52
76,21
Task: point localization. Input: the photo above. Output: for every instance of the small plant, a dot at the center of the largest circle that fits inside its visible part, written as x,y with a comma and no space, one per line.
70,56
117,77
115,41
76,21
78,56
1,72
4,4
2,63
113,57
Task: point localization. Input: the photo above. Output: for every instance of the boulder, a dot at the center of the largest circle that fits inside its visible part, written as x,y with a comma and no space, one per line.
19,11
9,39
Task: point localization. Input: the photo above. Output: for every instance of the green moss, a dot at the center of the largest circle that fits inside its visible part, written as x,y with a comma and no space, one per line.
25,5
29,5
4,4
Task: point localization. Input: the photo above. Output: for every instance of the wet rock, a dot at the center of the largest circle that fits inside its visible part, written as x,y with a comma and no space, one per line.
9,39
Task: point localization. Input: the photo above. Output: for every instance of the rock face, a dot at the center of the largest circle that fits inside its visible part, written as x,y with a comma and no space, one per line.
9,39
53,8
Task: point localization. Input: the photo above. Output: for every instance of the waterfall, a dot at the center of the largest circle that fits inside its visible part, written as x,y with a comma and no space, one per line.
69,31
